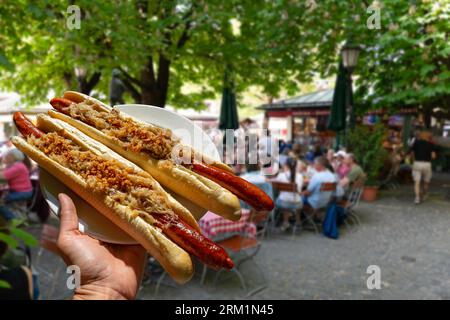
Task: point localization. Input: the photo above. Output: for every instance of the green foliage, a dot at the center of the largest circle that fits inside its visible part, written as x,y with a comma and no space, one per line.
9,240
281,43
13,234
24,236
366,143
406,62
4,284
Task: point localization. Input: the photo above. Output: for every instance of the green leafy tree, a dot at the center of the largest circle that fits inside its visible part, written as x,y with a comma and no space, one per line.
163,46
406,63
46,55
160,46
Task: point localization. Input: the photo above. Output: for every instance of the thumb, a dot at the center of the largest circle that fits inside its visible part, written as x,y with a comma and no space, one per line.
67,215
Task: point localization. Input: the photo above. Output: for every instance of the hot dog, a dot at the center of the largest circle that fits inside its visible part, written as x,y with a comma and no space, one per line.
123,192
208,183
243,189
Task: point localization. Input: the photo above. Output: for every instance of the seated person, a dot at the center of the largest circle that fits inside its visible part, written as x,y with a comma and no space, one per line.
355,173
331,156
289,201
314,198
340,167
17,175
318,152
253,174
310,169
283,156
296,150
302,167
310,154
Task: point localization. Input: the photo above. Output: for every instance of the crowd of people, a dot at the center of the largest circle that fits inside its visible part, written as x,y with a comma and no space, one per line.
319,164
308,171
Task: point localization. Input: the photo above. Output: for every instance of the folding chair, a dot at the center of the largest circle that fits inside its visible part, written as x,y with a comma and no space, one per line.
353,198
20,209
289,187
32,202
249,246
309,216
391,181
268,189
160,281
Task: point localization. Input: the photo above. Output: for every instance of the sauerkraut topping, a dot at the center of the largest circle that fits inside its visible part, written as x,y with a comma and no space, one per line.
133,136
105,175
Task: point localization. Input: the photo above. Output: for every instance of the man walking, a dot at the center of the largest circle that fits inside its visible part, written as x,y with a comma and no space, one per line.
424,151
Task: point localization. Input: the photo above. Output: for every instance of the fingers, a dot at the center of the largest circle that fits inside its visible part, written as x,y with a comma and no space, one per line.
68,214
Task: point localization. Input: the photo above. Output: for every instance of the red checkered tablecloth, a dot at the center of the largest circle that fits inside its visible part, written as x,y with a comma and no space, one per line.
218,228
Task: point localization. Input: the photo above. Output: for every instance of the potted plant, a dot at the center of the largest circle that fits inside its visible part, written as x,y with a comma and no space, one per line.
12,237
366,143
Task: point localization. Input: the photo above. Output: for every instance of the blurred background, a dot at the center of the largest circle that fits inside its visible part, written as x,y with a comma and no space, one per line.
320,77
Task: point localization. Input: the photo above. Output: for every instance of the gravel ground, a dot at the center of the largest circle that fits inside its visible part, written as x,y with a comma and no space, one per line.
409,243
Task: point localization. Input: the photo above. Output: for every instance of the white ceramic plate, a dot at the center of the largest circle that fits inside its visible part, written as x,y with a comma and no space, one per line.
94,223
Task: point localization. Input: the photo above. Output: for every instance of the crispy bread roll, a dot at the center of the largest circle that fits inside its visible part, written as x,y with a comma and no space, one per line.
80,97
198,189
175,260
47,124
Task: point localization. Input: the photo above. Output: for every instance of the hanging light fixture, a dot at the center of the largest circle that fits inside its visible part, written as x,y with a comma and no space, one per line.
350,54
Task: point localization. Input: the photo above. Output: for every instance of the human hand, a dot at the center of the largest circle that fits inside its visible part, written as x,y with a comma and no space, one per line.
108,271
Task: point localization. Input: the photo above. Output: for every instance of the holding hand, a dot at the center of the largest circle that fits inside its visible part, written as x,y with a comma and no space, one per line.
108,271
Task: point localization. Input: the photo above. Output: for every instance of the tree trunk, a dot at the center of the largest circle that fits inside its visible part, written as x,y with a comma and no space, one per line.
150,96
154,91
163,80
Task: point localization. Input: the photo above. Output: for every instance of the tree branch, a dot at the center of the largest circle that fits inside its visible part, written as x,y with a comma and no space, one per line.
133,91
130,78
185,35
186,18
187,26
92,82
212,58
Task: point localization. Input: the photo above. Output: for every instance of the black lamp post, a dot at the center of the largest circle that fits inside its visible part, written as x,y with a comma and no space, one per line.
350,53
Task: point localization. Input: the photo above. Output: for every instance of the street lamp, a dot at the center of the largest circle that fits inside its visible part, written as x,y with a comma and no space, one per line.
350,55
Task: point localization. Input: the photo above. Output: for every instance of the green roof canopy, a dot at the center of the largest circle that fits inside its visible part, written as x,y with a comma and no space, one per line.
322,98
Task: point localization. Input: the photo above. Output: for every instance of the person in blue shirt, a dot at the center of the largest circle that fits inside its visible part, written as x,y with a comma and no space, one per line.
253,174
313,198
310,154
